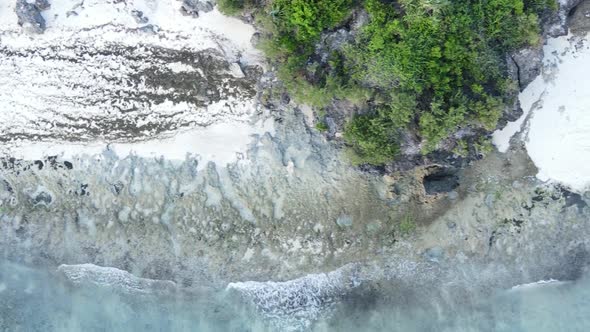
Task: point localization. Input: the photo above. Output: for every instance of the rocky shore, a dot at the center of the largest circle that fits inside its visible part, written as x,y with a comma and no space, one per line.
86,105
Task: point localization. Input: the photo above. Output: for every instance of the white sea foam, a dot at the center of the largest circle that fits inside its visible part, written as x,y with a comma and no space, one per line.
295,304
221,143
68,19
43,94
112,278
557,115
540,283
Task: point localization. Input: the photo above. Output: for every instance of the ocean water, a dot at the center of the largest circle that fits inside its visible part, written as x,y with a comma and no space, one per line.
541,307
36,300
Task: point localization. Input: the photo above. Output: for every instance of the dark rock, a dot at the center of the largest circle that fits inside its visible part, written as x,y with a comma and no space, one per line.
556,25
39,164
7,186
150,29
29,16
337,39
138,16
285,99
511,113
42,4
253,71
83,190
405,163
517,223
337,115
440,180
255,40
528,62
445,155
332,41
409,143
118,187
572,199
579,19
193,7
42,198
332,126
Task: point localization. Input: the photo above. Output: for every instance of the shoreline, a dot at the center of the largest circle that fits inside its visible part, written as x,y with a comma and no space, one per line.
279,210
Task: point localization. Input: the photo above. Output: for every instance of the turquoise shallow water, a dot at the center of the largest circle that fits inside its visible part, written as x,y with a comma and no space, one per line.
545,307
35,300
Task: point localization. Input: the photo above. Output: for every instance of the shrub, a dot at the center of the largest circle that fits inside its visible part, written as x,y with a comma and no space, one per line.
407,225
434,65
298,23
441,63
372,140
231,7
321,126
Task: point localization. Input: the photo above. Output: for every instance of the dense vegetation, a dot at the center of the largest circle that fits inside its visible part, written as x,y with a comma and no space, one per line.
232,7
428,65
